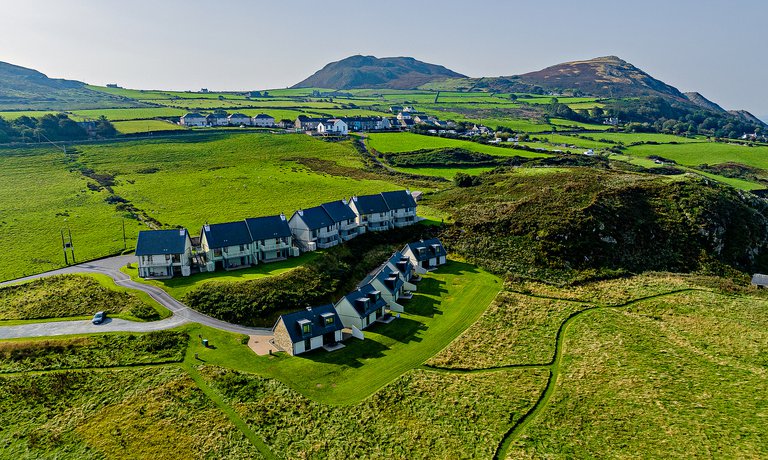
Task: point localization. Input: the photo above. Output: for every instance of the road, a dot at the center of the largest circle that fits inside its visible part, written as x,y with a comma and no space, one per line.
182,314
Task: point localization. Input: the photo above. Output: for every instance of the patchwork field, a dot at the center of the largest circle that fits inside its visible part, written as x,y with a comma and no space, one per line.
693,154
407,142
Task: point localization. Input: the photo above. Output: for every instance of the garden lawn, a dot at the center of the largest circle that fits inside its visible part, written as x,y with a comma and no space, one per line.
177,287
447,302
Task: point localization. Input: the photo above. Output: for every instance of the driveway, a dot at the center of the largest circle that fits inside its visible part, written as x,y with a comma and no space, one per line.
110,266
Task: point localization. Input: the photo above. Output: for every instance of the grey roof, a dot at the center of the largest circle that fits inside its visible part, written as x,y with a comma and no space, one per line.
399,199
339,211
268,227
227,234
363,293
367,204
192,115
759,279
216,115
153,242
239,115
383,273
263,115
401,262
315,217
428,245
315,317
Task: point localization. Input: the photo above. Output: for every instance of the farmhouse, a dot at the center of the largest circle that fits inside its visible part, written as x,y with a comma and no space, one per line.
192,119
263,120
306,123
164,253
237,119
306,330
226,246
271,238
402,206
314,229
372,212
345,218
334,126
360,308
425,254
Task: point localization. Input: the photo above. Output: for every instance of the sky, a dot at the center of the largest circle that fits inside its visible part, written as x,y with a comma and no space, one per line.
717,48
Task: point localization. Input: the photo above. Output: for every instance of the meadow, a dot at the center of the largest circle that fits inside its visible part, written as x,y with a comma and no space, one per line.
693,154
145,126
407,142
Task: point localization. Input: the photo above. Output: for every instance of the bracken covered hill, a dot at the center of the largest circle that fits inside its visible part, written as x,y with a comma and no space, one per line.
372,72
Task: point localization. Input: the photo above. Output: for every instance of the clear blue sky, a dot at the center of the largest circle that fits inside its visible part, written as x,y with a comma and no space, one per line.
715,47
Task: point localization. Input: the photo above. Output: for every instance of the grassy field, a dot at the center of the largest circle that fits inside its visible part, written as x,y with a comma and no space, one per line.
559,122
420,415
131,114
407,142
41,196
693,154
66,296
179,286
628,138
134,413
447,173
144,126
678,377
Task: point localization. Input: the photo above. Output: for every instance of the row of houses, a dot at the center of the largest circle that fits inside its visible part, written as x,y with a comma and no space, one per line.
195,119
239,244
374,299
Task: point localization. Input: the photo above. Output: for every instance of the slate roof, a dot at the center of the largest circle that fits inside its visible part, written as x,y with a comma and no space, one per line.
153,242
192,115
239,115
428,254
399,199
264,228
398,257
315,217
216,116
362,292
263,115
314,316
368,204
339,211
227,234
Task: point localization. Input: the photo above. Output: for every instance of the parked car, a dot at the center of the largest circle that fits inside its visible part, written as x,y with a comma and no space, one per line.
99,317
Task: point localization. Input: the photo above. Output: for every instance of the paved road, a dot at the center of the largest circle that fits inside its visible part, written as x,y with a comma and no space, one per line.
182,314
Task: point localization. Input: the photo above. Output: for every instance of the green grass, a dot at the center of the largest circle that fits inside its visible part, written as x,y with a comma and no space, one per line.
144,126
446,173
693,154
407,142
135,413
559,122
12,115
421,414
448,301
93,351
131,114
676,377
628,138
179,286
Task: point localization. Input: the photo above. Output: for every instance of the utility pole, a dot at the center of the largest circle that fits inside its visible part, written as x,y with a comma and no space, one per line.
66,245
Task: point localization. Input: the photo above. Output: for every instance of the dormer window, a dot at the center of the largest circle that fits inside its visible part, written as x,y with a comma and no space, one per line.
328,320
306,328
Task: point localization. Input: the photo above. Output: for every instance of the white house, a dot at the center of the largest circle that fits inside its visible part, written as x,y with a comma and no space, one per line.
164,253
237,119
425,254
405,269
402,206
333,126
306,330
226,246
192,119
345,218
387,281
217,119
263,120
272,238
313,229
372,212
361,308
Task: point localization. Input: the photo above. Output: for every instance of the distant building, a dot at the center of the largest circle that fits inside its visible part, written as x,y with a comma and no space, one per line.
263,120
306,123
217,119
425,254
239,119
313,228
193,119
334,126
112,85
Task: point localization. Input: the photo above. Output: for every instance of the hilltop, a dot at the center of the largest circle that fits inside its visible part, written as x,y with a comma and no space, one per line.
23,88
372,72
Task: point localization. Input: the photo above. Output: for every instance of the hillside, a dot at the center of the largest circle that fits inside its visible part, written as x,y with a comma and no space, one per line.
23,88
372,72
703,102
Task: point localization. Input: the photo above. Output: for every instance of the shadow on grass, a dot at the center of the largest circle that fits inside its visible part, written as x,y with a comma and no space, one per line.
353,355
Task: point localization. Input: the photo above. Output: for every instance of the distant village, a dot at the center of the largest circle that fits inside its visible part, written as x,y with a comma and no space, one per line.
164,254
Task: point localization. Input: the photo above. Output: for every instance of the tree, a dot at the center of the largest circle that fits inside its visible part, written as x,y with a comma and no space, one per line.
104,128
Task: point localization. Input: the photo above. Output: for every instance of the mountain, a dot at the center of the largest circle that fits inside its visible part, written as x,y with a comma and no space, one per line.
22,89
746,117
372,72
703,102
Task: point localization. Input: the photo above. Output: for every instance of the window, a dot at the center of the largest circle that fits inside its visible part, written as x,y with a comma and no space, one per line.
167,257
306,328
328,320
242,247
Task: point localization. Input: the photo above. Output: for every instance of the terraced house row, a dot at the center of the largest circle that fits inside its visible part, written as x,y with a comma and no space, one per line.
377,296
239,244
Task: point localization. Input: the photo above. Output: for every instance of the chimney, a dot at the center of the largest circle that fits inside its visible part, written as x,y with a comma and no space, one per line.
282,216
182,231
301,212
354,198
309,308
344,200
207,227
